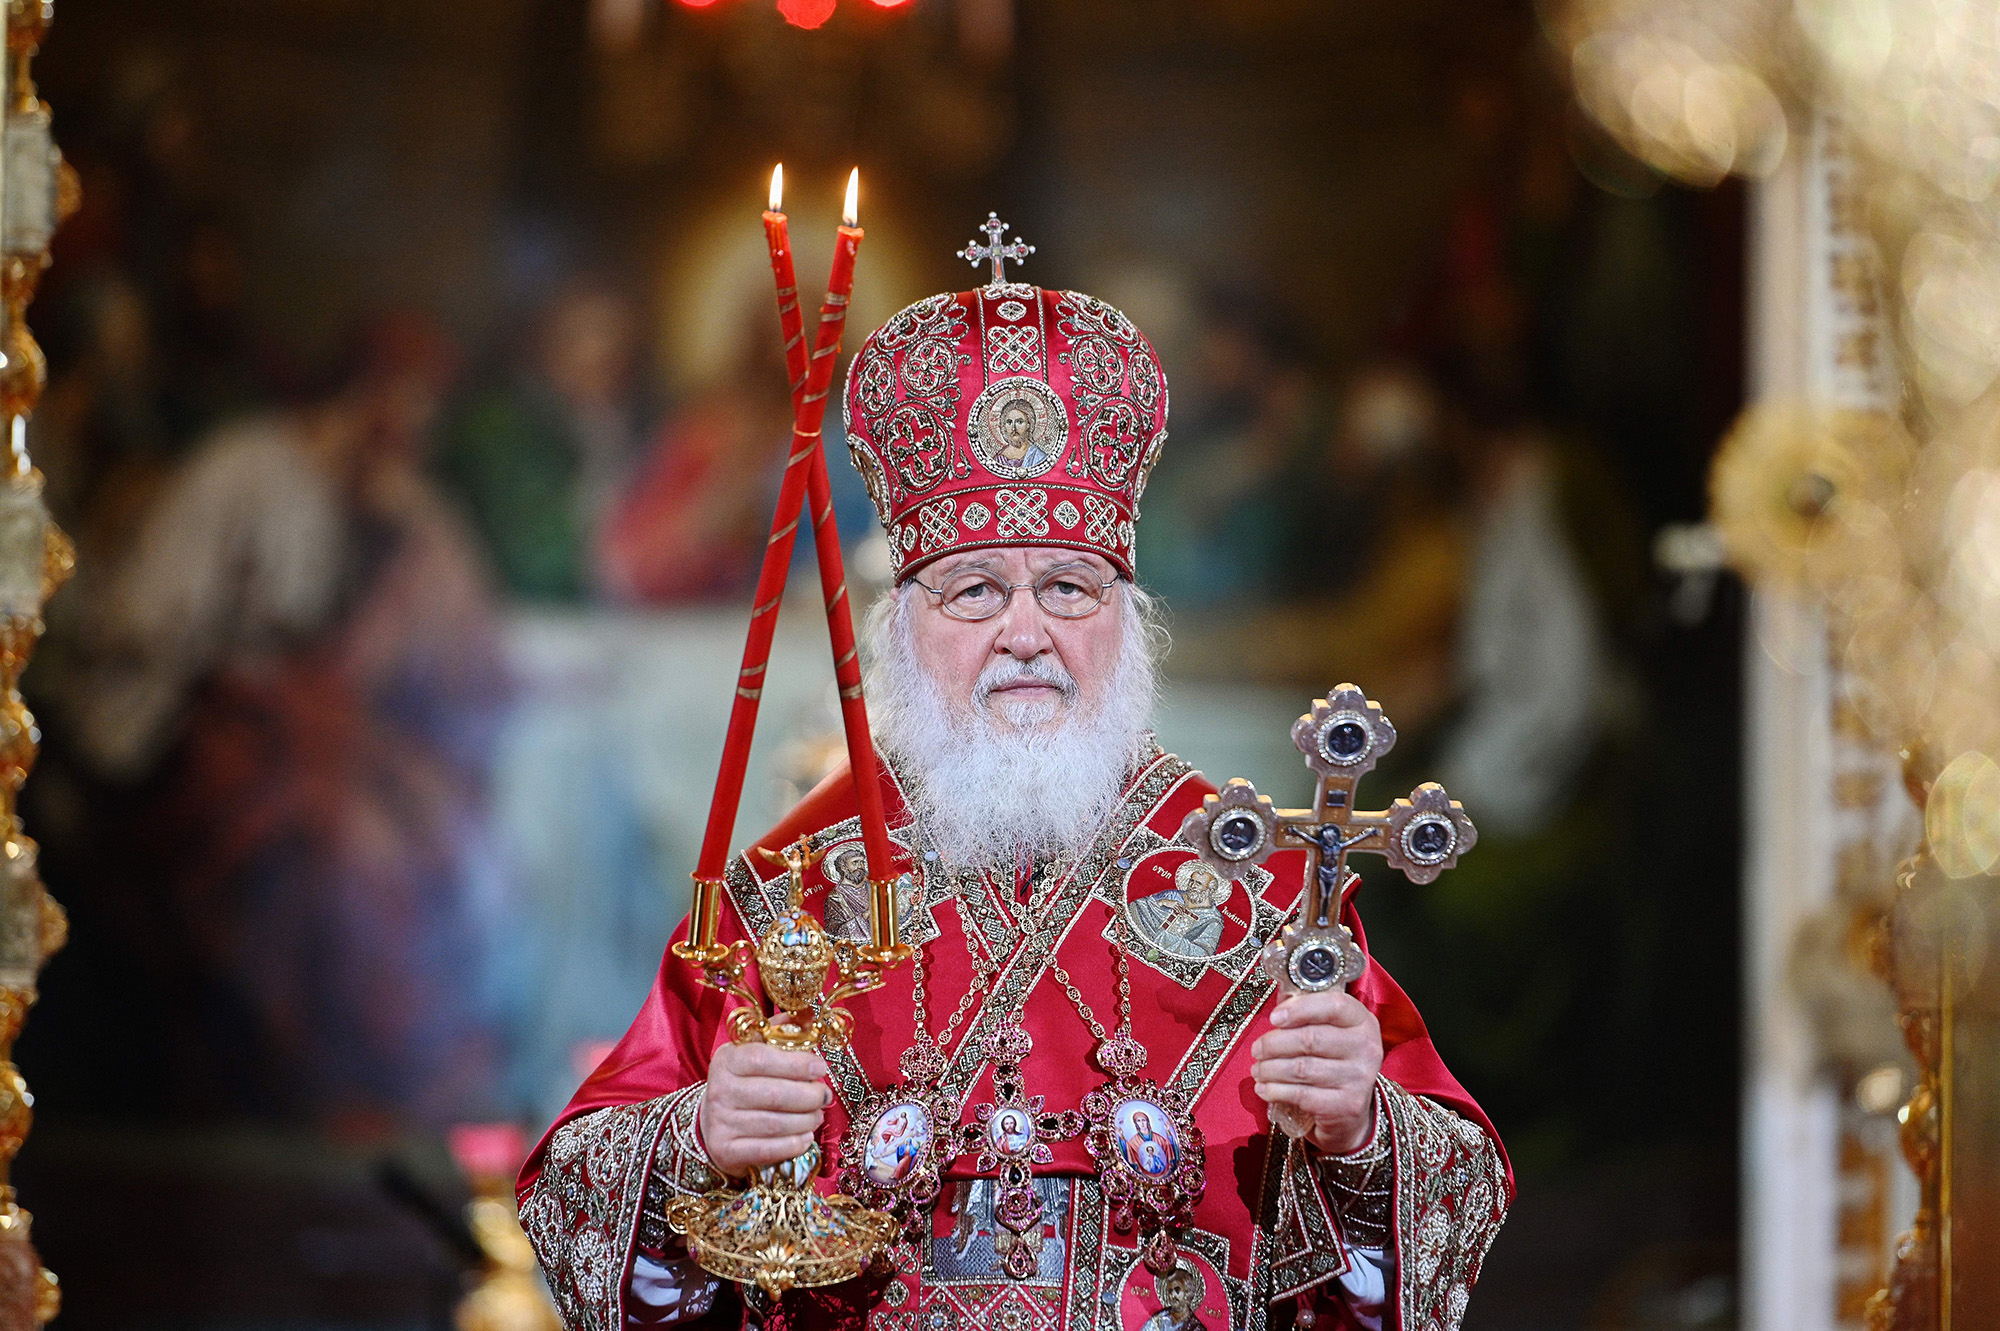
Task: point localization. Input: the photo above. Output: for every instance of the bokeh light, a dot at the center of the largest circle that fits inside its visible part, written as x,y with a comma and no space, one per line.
806,13
1962,816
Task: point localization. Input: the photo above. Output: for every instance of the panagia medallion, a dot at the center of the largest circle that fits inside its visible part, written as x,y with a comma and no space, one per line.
900,1141
1151,1157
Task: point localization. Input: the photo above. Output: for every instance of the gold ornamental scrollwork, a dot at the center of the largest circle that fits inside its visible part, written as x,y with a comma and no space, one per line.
36,558
1931,963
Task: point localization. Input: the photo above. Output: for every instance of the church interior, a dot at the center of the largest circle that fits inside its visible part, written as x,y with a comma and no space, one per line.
1634,448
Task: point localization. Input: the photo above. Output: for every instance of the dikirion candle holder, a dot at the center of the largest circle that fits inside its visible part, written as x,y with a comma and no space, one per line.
779,1232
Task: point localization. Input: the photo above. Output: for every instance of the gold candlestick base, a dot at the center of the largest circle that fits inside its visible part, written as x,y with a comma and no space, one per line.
779,1233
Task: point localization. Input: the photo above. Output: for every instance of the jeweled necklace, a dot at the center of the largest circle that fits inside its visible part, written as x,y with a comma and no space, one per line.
1150,1155
903,1136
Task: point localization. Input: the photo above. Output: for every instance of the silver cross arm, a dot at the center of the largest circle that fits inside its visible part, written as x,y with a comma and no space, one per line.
1342,738
975,253
1421,836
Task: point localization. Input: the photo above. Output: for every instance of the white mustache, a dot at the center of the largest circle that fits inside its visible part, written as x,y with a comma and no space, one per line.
1012,670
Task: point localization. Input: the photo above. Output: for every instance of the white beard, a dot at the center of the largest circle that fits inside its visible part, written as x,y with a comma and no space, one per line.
993,778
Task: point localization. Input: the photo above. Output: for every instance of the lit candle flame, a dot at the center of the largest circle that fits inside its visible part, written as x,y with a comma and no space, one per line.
778,187
850,214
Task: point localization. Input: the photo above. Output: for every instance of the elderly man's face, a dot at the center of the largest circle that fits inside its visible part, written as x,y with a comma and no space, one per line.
954,652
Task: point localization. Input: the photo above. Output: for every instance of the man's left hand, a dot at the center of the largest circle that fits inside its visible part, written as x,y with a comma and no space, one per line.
1321,1056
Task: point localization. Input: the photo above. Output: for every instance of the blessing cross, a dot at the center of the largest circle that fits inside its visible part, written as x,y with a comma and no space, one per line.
1342,738
975,253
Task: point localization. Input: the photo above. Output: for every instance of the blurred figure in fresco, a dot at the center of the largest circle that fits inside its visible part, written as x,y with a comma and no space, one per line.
1531,664
1216,519
100,435
302,635
539,458
1368,536
1379,516
694,522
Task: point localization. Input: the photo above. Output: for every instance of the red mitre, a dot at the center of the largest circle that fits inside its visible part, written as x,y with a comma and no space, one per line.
1009,415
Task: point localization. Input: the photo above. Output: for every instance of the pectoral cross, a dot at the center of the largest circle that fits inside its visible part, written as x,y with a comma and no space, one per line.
975,253
1342,738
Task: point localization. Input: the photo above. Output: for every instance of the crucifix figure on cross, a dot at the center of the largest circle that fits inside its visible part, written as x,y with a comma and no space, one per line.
1342,738
975,253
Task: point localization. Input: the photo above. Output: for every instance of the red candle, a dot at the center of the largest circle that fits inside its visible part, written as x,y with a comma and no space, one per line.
777,235
847,670
805,483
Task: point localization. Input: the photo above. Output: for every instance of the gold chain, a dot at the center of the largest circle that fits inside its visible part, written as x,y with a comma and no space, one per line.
983,971
1124,988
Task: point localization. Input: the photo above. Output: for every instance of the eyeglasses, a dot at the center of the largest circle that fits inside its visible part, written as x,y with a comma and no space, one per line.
1067,592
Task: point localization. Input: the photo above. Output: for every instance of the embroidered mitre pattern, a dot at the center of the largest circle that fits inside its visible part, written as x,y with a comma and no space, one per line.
1045,410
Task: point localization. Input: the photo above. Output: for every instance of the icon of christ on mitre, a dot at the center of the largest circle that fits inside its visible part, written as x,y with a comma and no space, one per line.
1081,1125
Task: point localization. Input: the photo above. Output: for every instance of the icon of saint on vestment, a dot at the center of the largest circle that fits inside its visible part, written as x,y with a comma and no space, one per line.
846,870
1186,919
1180,1293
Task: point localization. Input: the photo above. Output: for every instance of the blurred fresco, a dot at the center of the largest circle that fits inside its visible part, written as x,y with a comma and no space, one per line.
416,404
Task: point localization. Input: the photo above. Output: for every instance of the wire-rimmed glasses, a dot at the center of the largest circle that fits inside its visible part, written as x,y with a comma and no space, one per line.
1068,591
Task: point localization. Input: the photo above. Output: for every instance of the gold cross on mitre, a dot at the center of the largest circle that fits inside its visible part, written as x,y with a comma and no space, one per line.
975,253
1342,738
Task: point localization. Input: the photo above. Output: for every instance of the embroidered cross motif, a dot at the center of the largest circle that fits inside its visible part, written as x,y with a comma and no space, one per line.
975,253
976,515
1011,1133
1067,515
1023,512
1013,348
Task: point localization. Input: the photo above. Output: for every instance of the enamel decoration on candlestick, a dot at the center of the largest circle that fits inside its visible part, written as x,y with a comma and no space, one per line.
779,1232
1342,738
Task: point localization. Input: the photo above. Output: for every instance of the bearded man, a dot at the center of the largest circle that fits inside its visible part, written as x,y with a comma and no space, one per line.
1012,674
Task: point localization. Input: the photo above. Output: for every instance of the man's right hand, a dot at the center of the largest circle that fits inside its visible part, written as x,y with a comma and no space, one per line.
762,1106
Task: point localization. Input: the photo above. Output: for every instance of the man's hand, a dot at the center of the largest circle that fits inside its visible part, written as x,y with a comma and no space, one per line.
1321,1056
762,1105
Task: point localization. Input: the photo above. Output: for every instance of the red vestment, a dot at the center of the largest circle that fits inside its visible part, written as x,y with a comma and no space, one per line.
1264,1231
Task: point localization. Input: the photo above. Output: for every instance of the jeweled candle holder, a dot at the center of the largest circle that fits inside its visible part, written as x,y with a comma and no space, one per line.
779,1232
